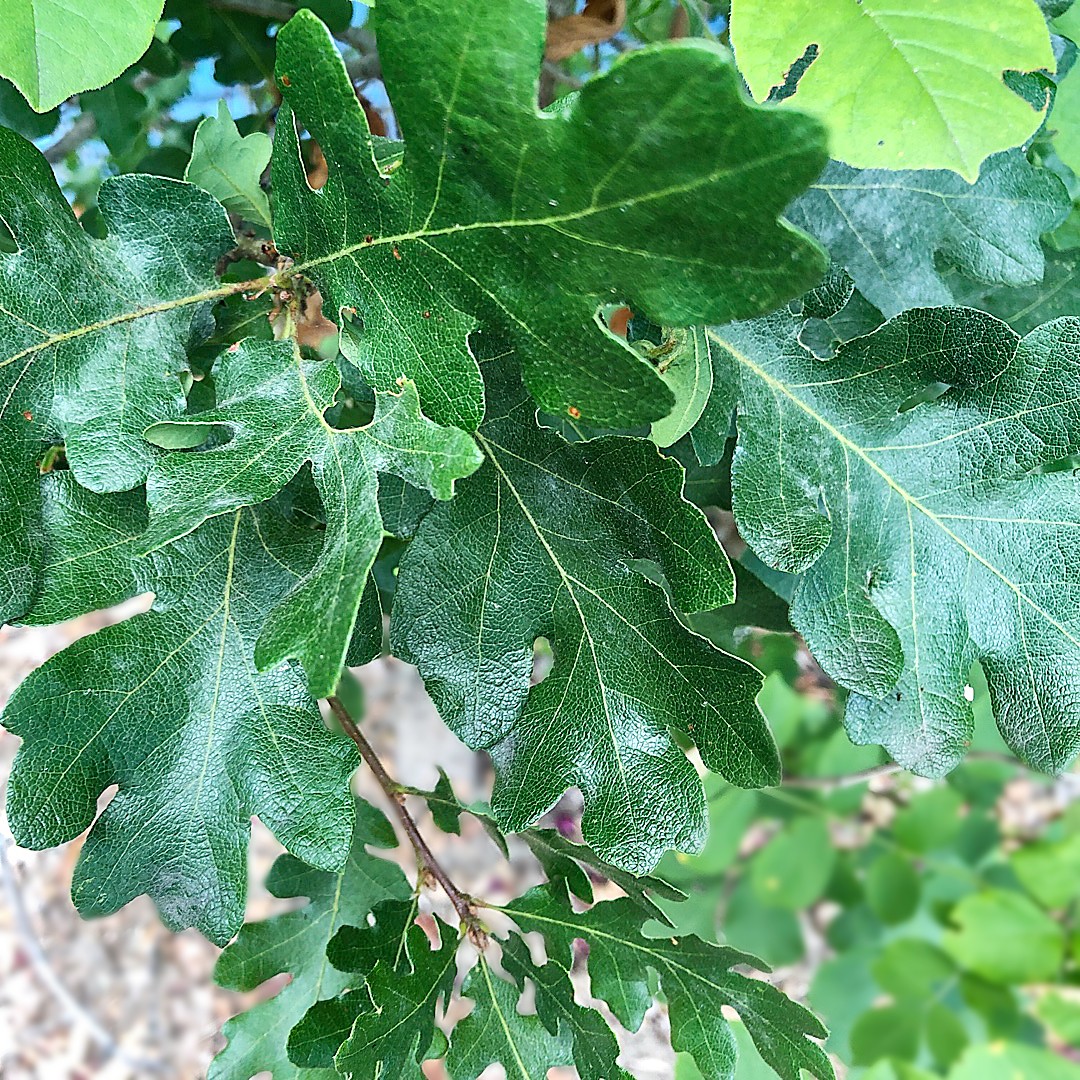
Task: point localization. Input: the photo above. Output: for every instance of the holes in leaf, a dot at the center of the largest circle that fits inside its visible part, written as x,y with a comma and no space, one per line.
930,392
794,73
543,660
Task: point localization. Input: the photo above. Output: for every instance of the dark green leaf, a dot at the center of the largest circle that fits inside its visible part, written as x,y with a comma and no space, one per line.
547,540
269,398
695,977
387,1026
659,185
94,336
295,943
195,737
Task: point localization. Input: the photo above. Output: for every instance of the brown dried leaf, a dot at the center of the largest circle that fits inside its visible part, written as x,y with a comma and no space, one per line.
600,21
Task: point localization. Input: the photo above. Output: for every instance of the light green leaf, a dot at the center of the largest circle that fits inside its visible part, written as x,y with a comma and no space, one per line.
92,336
658,185
550,539
892,888
230,167
1013,1061
1050,870
792,870
927,537
900,87
272,403
51,49
197,740
295,943
890,229
1005,938
687,370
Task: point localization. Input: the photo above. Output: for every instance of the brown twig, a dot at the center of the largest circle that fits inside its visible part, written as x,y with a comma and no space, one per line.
464,905
84,128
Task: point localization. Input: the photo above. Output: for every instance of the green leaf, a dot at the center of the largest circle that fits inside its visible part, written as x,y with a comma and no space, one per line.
1061,1015
16,114
560,858
892,888
496,1033
1026,308
93,336
792,870
197,740
1050,871
295,943
270,399
900,87
51,49
687,370
594,1046
549,539
695,977
1013,1061
927,537
389,1023
230,167
88,544
889,1031
1005,938
658,185
888,229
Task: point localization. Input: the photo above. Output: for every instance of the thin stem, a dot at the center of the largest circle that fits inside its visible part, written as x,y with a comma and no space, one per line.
464,905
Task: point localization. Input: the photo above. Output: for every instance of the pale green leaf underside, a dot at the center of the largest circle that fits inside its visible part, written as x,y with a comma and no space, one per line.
231,167
911,85
51,49
927,539
890,230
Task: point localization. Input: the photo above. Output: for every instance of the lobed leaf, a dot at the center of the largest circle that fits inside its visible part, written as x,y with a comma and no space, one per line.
170,707
660,185
272,402
556,540
928,533
94,336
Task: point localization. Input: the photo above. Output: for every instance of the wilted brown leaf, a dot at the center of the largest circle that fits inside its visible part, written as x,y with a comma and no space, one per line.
600,21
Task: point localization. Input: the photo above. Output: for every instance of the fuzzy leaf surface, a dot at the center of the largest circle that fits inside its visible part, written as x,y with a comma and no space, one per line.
51,49
170,707
272,402
89,541
888,228
549,539
92,336
695,977
900,86
659,185
927,537
230,166
295,942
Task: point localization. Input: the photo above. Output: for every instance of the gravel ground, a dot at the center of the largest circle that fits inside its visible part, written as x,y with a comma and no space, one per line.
122,998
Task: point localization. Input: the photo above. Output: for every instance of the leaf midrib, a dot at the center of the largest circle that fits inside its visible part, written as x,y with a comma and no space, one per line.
778,386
